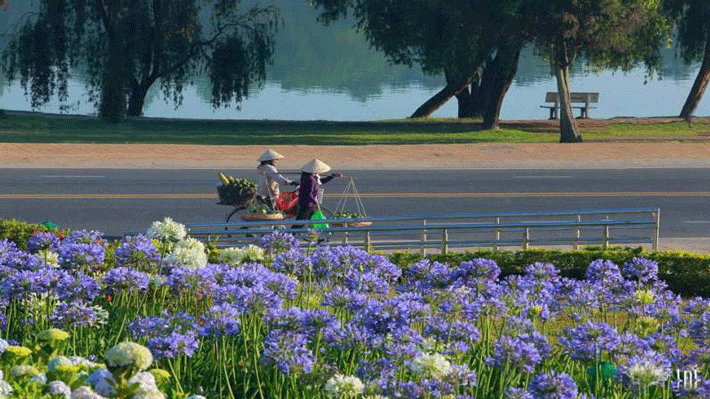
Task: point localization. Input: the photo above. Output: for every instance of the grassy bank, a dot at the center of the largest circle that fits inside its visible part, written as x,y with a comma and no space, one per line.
40,128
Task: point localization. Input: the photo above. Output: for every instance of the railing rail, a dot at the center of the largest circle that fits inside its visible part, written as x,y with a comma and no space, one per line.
500,229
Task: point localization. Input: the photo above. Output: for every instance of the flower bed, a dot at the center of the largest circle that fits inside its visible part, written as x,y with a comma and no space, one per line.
279,320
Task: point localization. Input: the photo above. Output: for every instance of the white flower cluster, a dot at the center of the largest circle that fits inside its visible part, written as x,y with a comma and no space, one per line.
167,230
5,388
129,354
51,258
85,393
72,361
434,365
340,386
188,253
234,256
647,373
3,345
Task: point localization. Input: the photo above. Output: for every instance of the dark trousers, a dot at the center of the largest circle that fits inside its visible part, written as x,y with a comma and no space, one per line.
303,214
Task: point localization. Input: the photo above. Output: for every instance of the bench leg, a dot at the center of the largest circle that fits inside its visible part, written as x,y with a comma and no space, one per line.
553,113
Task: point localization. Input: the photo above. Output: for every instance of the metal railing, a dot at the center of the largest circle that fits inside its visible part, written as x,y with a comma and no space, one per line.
602,227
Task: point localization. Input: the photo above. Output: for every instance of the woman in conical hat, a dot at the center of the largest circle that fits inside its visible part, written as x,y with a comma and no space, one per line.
268,190
310,186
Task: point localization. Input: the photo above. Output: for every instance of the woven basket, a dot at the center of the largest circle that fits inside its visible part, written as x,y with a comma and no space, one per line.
262,216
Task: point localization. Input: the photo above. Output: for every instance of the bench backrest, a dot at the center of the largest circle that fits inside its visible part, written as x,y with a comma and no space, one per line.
551,97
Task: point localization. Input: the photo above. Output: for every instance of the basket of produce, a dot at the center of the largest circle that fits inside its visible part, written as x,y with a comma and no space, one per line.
350,215
236,192
261,212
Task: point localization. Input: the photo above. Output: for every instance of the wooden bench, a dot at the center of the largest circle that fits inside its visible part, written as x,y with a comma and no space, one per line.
576,98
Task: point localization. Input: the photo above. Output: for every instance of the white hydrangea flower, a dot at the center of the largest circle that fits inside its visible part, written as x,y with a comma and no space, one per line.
129,354
167,230
23,370
102,382
5,389
253,253
85,393
147,388
188,253
40,378
3,345
58,361
339,386
231,256
196,397
59,388
434,365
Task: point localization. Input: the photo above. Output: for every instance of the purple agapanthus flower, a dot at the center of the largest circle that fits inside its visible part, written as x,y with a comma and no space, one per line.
221,320
123,279
604,272
515,353
287,351
84,237
43,240
553,385
169,335
81,256
73,314
641,269
278,243
588,341
137,252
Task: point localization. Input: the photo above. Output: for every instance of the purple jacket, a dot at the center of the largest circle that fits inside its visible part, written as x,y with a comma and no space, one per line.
308,191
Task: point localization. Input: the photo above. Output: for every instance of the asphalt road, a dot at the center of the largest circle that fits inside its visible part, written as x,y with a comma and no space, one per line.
121,201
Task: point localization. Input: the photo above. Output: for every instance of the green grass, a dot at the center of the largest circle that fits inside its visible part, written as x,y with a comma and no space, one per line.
38,128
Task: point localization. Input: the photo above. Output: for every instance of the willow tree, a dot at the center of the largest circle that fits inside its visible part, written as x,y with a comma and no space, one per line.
458,39
693,23
614,34
126,46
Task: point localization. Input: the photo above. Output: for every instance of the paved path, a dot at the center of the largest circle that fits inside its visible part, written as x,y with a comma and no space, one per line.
616,154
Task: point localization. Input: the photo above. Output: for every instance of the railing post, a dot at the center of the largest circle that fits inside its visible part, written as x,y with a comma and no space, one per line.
345,234
657,229
605,243
367,240
495,246
526,238
578,234
424,237
444,241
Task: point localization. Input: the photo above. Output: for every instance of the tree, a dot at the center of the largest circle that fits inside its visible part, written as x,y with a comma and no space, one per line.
449,37
607,33
126,46
693,30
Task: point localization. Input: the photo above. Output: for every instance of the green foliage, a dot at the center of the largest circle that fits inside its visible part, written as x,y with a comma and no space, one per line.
692,18
19,232
125,47
687,274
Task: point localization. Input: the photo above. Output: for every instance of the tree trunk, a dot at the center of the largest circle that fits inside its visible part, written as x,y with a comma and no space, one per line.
506,66
701,83
136,99
568,125
440,98
113,97
465,100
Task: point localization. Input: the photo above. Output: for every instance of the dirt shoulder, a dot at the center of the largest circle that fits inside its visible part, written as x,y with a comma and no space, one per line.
615,154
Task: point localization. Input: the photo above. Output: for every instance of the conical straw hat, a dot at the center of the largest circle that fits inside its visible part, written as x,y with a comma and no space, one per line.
269,155
316,166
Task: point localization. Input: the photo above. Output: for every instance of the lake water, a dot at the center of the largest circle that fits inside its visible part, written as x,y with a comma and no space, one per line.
330,73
